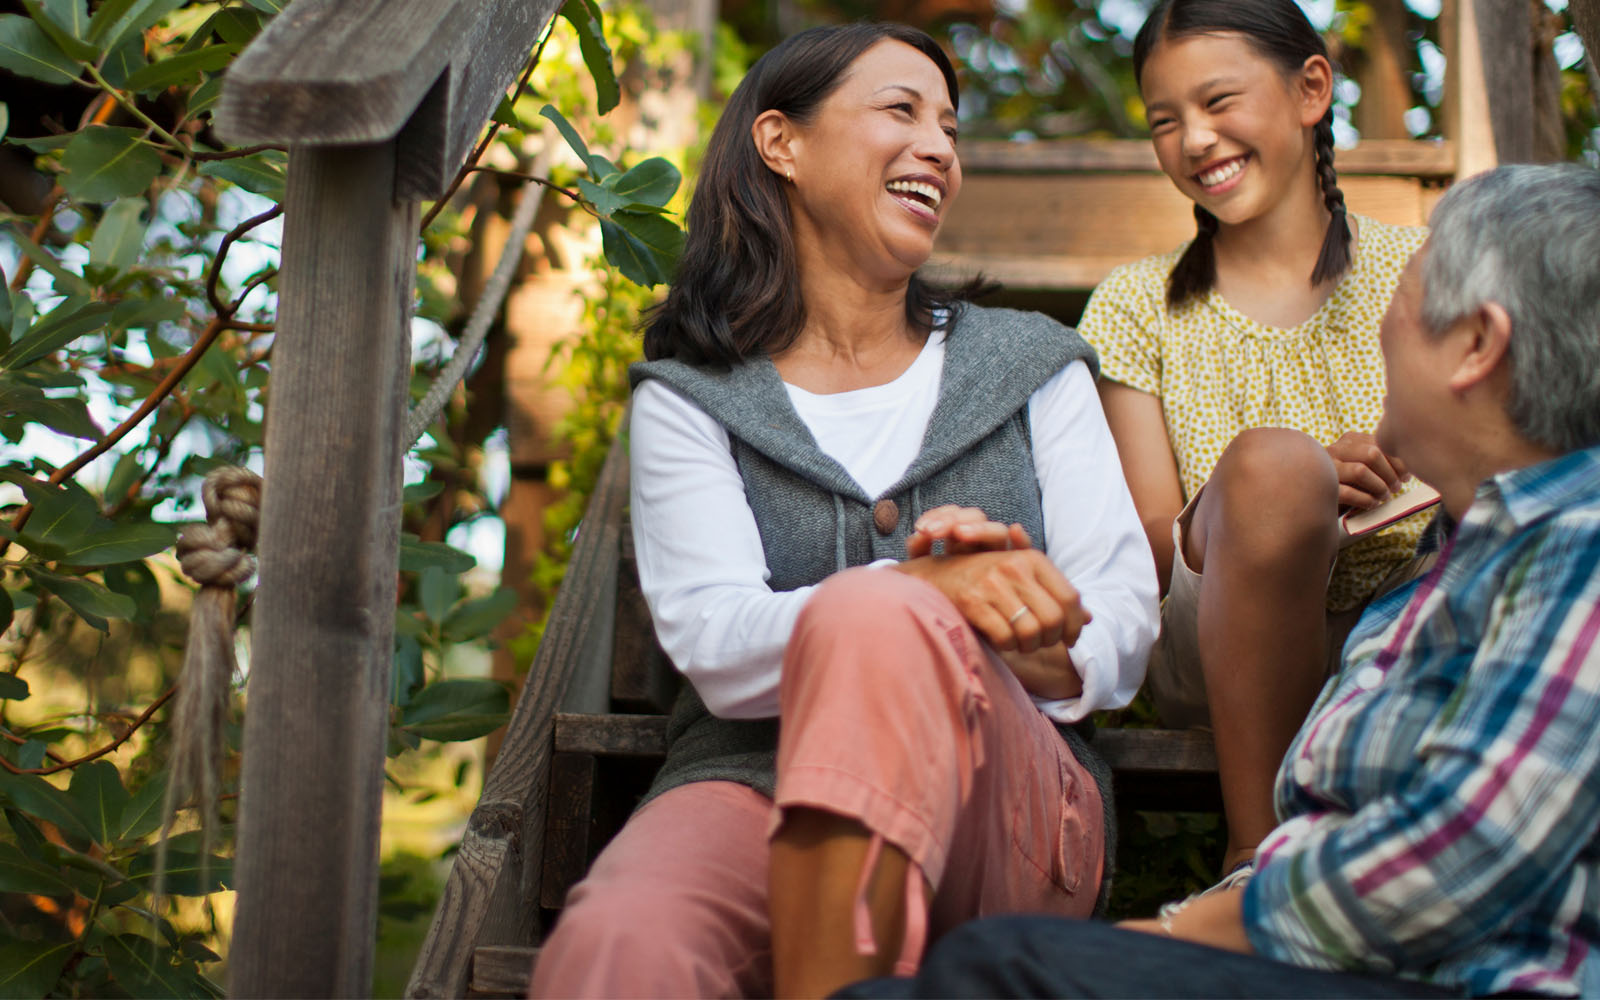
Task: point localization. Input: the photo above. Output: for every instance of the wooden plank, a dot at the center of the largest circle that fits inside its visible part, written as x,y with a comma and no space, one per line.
642,678
1404,157
612,735
1067,231
362,71
501,907
323,621
568,824
502,970
1157,751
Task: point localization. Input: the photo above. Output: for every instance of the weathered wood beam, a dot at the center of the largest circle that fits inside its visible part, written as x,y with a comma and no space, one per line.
1488,90
314,736
428,72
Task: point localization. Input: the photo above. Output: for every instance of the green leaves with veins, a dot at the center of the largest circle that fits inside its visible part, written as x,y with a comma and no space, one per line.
636,236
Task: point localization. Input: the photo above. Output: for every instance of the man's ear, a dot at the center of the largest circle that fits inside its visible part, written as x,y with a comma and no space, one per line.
1315,90
1488,333
774,136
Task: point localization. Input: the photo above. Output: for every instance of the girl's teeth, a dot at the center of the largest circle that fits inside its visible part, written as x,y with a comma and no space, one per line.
1212,178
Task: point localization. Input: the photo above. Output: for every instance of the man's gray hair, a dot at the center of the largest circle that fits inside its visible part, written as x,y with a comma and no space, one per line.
1528,238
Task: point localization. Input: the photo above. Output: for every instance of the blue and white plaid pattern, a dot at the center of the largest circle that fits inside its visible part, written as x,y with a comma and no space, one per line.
1441,806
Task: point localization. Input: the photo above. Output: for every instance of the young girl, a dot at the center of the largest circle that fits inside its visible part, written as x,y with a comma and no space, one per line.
1247,363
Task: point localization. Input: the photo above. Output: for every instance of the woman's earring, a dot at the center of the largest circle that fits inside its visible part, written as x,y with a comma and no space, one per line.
788,175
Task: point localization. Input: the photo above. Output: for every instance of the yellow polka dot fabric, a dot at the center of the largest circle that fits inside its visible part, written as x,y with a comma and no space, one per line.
1218,372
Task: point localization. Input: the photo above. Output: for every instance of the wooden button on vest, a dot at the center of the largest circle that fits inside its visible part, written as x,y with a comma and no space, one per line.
885,515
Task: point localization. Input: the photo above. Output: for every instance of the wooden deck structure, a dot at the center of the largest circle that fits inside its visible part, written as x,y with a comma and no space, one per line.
379,101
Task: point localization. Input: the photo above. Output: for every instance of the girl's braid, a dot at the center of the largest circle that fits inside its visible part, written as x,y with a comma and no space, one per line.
1196,271
1334,259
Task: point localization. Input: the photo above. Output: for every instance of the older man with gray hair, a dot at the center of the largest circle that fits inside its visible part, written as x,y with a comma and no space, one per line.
1440,809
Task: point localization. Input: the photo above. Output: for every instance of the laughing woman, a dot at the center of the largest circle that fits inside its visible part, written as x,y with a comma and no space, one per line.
813,422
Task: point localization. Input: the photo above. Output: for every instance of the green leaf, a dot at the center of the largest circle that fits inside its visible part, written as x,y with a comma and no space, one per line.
642,245
505,114
93,603
97,792
142,815
31,754
567,132
5,119
120,235
117,20
66,323
584,15
28,51
416,556
67,415
436,591
601,168
204,96
20,873
56,23
478,617
186,67
35,796
144,971
66,282
73,17
30,968
458,696
60,513
12,686
234,25
134,580
652,182
605,202
268,6
124,60
188,872
416,492
144,314
259,173
121,543
5,292
103,163
408,675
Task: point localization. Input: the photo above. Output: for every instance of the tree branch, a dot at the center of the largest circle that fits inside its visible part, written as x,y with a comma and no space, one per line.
95,754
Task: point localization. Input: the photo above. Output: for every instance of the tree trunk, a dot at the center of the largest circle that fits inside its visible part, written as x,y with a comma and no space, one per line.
1586,18
1380,68
1549,125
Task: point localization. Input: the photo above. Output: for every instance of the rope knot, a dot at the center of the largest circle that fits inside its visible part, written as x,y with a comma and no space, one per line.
217,553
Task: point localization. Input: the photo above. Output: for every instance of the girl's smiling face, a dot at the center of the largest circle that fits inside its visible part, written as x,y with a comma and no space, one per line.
1230,128
875,170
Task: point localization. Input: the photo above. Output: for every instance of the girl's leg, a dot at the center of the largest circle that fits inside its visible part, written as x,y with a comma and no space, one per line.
914,777
1263,536
675,906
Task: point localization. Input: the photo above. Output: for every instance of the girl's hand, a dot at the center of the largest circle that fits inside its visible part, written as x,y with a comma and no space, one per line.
963,530
1017,600
1367,477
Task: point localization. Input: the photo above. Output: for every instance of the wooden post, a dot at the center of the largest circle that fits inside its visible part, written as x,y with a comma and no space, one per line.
1488,88
380,101
323,629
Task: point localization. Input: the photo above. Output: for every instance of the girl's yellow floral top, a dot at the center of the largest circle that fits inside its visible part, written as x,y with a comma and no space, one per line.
1218,372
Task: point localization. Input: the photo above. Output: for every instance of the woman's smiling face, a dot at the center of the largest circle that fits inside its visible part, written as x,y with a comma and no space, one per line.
875,170
1230,129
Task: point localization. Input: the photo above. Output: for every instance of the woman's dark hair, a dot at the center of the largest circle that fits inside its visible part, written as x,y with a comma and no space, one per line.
737,290
1277,29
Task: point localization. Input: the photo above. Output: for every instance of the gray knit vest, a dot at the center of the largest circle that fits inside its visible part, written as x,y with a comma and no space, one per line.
815,519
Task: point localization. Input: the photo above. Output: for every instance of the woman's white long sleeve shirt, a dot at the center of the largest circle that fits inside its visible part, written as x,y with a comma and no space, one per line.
704,573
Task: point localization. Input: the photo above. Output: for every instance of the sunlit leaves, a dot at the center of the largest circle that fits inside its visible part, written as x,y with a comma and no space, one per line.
120,235
261,173
584,15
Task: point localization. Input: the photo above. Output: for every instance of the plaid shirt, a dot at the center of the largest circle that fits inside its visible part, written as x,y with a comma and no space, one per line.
1441,806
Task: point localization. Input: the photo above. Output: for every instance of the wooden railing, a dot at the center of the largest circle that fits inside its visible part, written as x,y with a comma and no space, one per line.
379,102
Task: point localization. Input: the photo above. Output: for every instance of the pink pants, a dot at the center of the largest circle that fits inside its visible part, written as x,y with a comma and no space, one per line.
894,715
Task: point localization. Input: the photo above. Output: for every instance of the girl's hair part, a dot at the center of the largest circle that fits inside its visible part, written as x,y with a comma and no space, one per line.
736,293
1277,29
